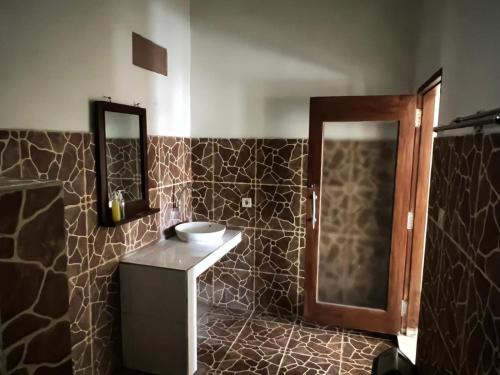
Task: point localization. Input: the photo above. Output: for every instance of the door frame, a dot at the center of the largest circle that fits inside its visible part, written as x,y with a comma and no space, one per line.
400,108
422,159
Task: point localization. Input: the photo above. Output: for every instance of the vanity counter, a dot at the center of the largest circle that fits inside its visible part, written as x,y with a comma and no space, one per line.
183,256
159,301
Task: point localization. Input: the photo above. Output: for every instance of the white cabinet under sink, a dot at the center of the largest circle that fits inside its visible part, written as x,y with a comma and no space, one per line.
158,302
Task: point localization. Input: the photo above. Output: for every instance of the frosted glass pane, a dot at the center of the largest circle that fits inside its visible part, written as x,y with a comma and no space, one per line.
357,189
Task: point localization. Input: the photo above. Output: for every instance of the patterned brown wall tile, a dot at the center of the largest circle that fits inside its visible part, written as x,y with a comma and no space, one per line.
276,294
233,288
202,198
277,252
174,160
79,307
279,161
82,357
143,232
227,205
234,160
276,167
10,165
55,156
154,161
202,159
70,157
34,297
105,318
305,154
457,331
104,243
242,256
278,207
75,218
205,285
90,167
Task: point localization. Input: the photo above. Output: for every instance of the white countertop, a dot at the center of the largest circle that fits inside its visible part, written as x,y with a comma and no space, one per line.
174,254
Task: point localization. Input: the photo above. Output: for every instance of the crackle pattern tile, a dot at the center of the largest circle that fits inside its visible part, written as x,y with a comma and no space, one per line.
82,357
104,244
242,256
154,161
105,318
265,333
90,167
55,156
205,283
250,360
175,160
460,286
276,294
227,205
279,161
296,364
277,252
315,342
220,326
234,160
202,160
210,353
360,349
10,158
36,330
234,288
202,198
278,207
75,220
79,307
265,345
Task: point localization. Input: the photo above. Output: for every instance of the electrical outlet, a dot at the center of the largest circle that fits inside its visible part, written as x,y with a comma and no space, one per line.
246,202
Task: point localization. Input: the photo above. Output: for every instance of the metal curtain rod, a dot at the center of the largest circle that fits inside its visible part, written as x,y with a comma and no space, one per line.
477,121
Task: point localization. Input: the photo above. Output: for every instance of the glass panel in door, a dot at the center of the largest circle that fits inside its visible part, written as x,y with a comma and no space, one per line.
356,208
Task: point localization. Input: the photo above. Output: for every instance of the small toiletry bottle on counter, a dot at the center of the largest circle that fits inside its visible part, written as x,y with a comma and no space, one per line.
122,204
116,208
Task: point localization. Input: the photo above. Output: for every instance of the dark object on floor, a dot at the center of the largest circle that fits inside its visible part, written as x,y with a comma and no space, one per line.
393,362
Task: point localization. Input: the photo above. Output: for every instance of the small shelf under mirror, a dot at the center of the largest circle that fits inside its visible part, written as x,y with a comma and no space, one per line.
137,216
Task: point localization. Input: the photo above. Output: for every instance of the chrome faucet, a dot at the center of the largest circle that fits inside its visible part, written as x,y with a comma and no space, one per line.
176,203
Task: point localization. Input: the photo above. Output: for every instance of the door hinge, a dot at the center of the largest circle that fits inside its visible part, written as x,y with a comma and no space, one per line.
410,220
404,307
418,118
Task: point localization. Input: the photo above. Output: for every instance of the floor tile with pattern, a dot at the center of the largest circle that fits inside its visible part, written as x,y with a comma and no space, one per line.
234,342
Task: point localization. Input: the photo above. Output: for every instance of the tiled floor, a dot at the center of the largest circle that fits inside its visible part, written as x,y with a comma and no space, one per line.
235,342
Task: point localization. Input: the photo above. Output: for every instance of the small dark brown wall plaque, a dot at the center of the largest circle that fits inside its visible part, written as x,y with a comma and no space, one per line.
148,55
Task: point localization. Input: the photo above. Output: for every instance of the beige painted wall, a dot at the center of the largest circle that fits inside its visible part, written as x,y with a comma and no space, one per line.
57,55
256,63
461,36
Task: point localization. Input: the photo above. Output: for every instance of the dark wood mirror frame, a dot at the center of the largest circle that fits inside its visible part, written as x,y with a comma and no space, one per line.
134,209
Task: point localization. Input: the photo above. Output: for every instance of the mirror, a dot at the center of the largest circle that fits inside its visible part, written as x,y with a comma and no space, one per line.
123,155
121,152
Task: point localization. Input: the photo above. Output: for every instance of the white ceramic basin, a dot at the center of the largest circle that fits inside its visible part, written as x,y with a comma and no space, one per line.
200,232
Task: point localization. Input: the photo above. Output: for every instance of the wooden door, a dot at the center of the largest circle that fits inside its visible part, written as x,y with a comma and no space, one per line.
359,178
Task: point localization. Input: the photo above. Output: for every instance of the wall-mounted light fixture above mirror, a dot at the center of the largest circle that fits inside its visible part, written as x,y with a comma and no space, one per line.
122,163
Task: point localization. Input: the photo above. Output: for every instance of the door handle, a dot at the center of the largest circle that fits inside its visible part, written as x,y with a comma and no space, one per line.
314,198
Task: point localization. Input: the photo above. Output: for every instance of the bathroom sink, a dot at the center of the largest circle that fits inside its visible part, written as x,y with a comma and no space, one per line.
200,232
